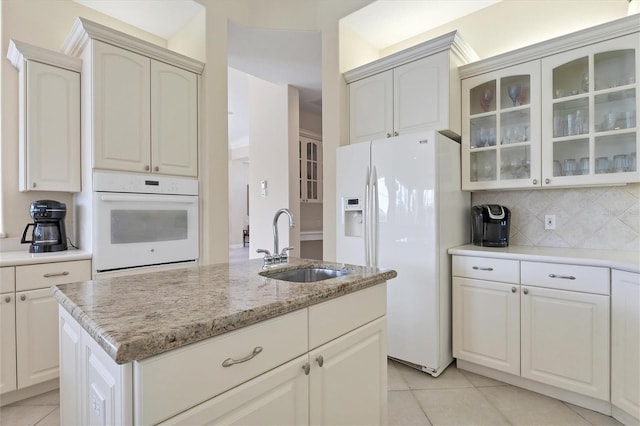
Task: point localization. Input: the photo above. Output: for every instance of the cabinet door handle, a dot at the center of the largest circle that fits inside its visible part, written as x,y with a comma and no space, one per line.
562,277
146,168
513,289
56,274
535,181
320,360
395,133
480,268
547,181
7,299
156,169
388,135
525,291
23,297
230,361
306,367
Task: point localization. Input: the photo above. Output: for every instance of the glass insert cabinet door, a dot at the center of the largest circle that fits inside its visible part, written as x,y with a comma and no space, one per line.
501,128
310,170
590,110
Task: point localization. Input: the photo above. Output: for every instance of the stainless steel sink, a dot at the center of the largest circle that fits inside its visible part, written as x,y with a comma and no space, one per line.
305,275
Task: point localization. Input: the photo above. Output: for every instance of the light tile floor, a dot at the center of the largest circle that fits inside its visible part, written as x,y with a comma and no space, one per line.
459,397
455,398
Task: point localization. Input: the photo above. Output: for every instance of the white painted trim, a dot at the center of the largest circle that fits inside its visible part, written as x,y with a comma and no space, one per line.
19,52
311,135
450,41
31,391
623,417
606,31
84,30
574,398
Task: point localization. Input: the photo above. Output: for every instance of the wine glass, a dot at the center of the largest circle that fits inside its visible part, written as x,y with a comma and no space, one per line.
485,99
514,91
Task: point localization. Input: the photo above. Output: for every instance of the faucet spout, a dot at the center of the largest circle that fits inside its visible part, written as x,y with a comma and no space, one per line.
292,224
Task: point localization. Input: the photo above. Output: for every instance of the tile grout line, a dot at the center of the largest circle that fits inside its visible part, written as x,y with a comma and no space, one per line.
46,415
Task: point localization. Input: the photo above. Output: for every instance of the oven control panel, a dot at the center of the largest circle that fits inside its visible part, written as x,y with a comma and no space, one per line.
144,183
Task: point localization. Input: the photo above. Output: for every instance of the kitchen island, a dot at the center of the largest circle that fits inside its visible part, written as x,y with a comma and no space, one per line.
224,344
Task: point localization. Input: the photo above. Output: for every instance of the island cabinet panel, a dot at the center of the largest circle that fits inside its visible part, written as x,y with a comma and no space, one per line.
348,380
278,397
7,340
197,372
337,317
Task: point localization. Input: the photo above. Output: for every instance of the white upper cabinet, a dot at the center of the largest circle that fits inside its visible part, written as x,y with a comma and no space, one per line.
409,91
590,107
49,118
121,109
573,120
174,120
140,102
501,128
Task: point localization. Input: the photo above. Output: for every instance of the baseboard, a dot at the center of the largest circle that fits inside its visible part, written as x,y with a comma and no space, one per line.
623,417
234,246
20,394
584,401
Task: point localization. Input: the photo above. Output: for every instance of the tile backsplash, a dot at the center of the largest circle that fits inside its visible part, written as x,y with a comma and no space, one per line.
595,218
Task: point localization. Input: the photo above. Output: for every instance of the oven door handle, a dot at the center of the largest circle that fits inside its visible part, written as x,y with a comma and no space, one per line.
155,198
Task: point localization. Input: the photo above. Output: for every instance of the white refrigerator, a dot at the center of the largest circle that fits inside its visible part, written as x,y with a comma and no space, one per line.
399,206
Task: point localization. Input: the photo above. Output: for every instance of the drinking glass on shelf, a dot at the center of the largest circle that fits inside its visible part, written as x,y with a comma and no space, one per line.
602,165
485,99
584,165
557,168
514,91
620,163
569,167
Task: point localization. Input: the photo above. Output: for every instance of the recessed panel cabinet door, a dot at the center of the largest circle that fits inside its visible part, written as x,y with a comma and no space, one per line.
486,323
371,108
36,337
51,129
278,397
565,340
174,117
121,109
7,342
348,381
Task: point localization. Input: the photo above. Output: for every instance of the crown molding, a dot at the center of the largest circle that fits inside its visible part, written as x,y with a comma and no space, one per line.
84,30
602,32
450,41
311,135
19,52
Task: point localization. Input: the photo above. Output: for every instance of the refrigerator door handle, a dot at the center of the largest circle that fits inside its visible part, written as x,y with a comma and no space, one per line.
373,217
365,214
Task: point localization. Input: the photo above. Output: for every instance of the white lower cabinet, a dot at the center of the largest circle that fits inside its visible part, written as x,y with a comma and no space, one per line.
226,380
491,339
565,340
36,337
551,327
348,380
625,346
7,342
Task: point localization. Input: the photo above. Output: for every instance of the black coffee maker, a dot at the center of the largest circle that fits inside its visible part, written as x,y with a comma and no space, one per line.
490,225
49,233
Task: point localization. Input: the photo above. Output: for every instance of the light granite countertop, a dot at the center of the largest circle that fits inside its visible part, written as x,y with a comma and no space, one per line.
138,316
624,260
23,257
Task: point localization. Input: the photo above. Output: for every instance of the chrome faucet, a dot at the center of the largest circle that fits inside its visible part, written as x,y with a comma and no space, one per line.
292,224
276,257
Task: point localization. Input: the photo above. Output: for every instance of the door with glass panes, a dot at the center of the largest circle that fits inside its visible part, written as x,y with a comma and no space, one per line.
310,170
501,128
590,109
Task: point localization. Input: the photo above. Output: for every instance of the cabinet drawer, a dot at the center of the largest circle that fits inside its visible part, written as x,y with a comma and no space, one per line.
7,279
485,268
43,275
587,279
339,316
281,339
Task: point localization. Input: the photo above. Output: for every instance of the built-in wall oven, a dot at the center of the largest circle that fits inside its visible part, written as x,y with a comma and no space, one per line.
143,220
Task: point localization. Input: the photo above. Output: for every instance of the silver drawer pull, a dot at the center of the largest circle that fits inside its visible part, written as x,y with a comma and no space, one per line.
480,268
230,361
563,277
56,274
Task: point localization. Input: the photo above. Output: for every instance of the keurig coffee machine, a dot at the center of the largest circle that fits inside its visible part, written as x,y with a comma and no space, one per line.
490,225
49,233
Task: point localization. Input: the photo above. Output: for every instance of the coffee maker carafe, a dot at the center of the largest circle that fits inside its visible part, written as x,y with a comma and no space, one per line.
49,233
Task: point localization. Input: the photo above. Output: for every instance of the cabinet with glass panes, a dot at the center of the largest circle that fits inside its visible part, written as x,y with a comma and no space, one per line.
589,114
501,128
310,167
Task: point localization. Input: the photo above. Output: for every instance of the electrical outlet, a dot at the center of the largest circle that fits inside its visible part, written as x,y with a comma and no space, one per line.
550,221
98,406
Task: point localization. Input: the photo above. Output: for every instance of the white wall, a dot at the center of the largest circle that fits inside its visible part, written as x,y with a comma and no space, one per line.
238,217
269,154
46,24
311,121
